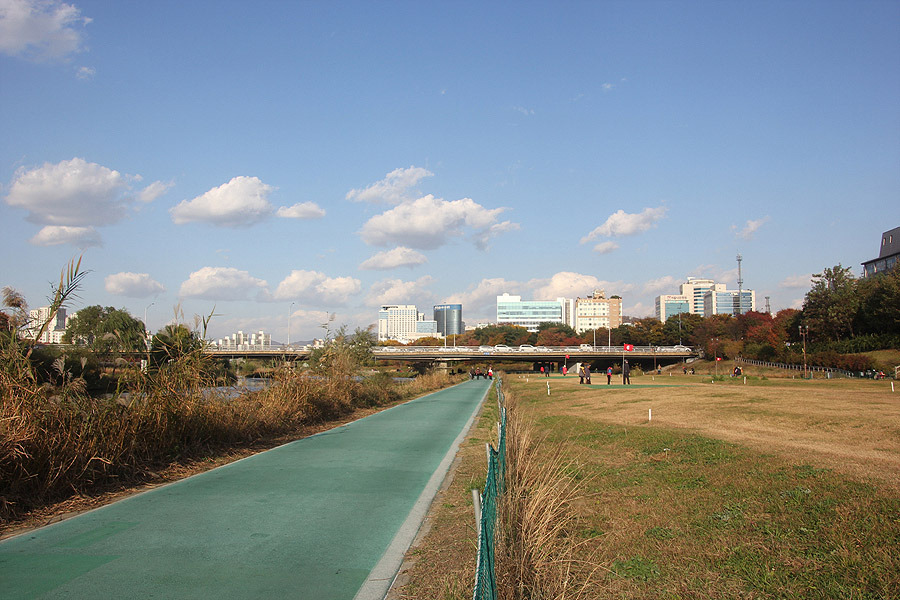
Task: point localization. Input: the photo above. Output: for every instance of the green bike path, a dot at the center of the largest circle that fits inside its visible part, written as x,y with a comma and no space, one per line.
325,517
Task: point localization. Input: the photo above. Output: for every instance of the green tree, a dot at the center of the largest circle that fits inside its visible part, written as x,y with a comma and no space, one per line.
174,341
105,330
831,305
879,304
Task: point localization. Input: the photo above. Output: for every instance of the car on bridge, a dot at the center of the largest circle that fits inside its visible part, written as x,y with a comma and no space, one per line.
527,348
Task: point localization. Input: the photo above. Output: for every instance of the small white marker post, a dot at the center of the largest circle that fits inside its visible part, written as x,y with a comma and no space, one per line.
548,388
649,414
745,380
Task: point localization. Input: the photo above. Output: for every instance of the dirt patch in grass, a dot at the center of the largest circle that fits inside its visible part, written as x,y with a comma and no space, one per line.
847,425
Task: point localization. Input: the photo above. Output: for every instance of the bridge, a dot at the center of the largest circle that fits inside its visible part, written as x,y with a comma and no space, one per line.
500,353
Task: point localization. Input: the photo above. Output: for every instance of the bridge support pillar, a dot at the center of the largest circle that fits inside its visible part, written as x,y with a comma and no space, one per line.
441,367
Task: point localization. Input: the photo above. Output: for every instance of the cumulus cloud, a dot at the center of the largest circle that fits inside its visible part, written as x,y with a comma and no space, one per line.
220,283
40,29
480,300
797,281
302,210
606,247
133,285
241,202
397,291
661,285
72,192
429,223
154,191
395,188
750,228
621,223
567,284
53,235
317,288
401,256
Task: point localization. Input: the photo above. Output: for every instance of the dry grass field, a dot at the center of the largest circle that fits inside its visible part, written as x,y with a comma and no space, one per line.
777,488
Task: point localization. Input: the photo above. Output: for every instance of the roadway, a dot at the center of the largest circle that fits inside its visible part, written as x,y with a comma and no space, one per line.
328,517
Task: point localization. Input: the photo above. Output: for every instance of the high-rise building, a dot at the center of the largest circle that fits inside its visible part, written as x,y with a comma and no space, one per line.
695,289
512,310
259,340
597,311
56,328
728,302
669,305
403,322
449,319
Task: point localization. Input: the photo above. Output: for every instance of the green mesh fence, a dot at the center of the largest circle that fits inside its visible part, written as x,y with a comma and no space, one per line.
485,581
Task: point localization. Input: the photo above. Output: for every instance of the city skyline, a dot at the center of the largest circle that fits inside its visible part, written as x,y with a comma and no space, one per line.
318,160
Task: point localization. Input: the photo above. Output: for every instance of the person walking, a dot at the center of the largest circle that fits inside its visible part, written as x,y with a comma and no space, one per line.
587,374
565,370
626,373
580,374
609,375
547,372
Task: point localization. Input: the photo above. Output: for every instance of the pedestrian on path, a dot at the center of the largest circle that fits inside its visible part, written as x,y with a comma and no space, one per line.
587,374
580,374
565,370
626,373
609,375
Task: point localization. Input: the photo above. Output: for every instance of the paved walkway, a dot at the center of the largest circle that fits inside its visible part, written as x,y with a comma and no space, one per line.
325,517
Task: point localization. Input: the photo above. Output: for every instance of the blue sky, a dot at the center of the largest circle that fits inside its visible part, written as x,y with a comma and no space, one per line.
273,158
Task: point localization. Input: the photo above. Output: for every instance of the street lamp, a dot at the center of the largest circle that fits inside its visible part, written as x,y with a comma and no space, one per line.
147,329
804,332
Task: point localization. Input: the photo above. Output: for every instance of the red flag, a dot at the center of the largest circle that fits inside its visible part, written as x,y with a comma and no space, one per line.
629,347
718,358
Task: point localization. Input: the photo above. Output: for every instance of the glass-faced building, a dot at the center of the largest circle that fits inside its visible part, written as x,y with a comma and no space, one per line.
449,319
729,302
888,255
512,310
670,305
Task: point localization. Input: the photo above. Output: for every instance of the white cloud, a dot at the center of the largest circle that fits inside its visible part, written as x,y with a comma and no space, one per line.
621,223
85,73
638,309
133,285
72,192
53,235
154,191
525,111
239,203
40,29
393,189
750,228
663,285
302,210
606,87
220,283
606,247
797,281
397,291
401,256
480,300
317,288
567,284
429,223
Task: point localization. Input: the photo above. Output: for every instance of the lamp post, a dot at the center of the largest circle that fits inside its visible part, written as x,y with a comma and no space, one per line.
147,329
290,314
804,332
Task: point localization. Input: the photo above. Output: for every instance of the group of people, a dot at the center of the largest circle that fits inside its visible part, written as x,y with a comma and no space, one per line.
584,374
477,373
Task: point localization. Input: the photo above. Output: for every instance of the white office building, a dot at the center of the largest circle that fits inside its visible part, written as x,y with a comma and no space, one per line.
512,310
597,311
669,305
404,323
695,289
728,302
259,340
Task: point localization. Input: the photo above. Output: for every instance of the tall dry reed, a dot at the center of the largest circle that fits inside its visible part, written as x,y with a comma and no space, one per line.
59,441
535,554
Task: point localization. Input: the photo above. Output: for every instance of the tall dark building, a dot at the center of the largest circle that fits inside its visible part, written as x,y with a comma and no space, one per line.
449,319
888,256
